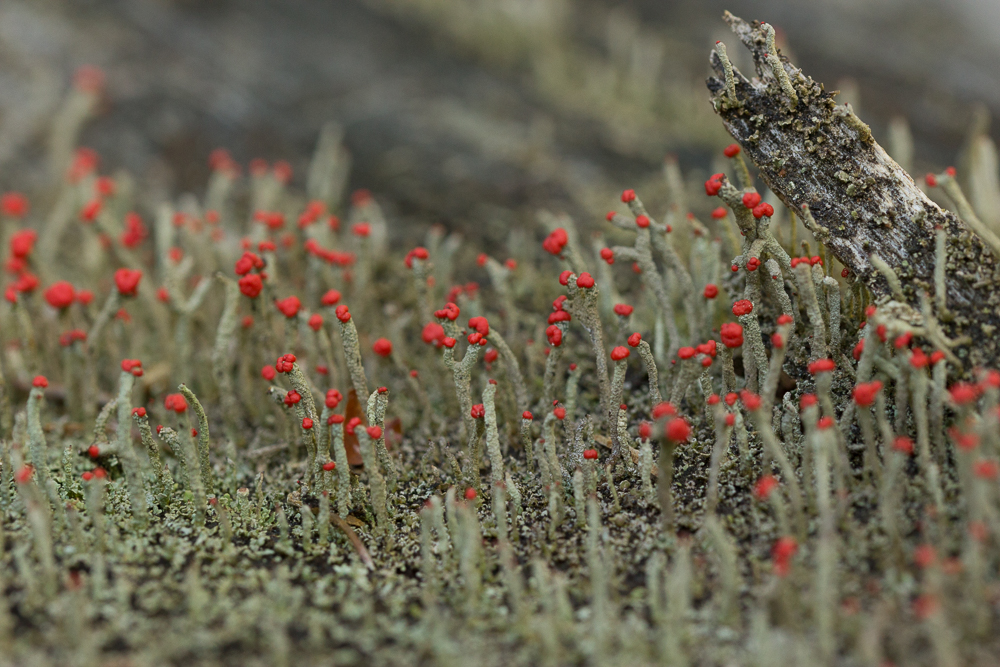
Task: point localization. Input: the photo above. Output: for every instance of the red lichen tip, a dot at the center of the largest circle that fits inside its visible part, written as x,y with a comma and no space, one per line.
559,412
865,393
22,243
664,409
329,465
711,291
732,150
634,339
24,474
964,393
642,221
554,335
480,324
307,423
555,241
750,199
628,195
742,307
285,363
714,184
330,298
470,493
374,432
619,353
763,210
127,281
677,430
91,210
782,552
965,441
175,403
903,445
590,454
822,366
731,334
433,333
764,487
382,347
352,424
559,316
527,415
918,359
40,381
585,280
924,556
251,285
13,205
987,469
289,306
333,398
417,253
342,313
60,294
750,400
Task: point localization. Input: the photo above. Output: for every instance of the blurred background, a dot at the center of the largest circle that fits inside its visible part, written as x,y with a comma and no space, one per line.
465,111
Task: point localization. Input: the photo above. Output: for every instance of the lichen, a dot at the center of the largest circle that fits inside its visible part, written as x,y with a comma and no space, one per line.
821,485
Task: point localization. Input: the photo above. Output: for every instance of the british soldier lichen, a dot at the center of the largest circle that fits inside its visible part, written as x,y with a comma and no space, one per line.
751,509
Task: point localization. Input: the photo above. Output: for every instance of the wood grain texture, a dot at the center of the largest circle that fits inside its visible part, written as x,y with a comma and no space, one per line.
818,154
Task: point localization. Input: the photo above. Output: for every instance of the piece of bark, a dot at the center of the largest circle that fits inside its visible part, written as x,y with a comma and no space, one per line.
812,152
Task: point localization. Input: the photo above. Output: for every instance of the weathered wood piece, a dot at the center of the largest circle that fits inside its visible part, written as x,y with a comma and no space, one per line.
812,152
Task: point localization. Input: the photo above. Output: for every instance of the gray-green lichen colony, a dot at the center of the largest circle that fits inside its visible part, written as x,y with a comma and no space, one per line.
266,435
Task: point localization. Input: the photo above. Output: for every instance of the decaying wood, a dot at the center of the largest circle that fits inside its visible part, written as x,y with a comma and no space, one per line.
812,152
